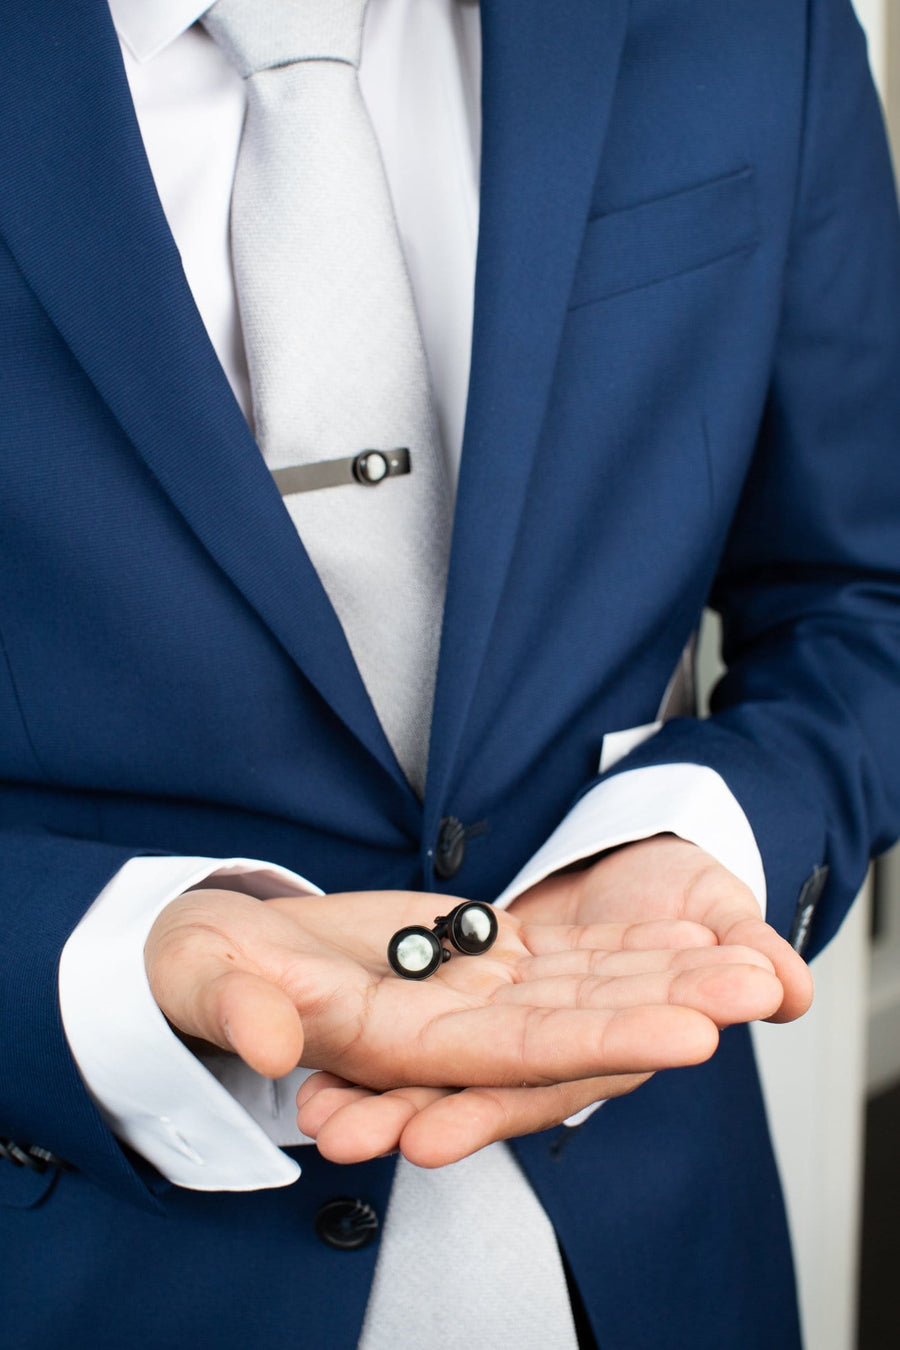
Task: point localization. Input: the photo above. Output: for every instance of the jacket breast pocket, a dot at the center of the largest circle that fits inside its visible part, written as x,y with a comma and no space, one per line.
666,237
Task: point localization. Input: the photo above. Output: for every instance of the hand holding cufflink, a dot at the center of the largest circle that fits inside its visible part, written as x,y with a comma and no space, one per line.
304,979
416,952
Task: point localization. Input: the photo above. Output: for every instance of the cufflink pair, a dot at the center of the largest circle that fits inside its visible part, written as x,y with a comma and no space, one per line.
415,953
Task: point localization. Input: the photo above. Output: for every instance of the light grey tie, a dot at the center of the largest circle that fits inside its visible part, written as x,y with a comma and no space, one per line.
468,1260
337,366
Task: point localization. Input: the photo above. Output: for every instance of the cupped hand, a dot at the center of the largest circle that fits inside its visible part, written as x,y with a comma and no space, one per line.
667,878
305,980
432,1127
657,882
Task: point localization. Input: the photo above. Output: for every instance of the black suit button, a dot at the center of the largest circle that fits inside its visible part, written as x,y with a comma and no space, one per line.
346,1224
451,848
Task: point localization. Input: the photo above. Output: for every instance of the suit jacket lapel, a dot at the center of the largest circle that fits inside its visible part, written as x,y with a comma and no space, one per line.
81,215
549,74
82,218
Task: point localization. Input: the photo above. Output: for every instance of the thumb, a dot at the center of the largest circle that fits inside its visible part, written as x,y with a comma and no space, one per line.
793,972
239,1011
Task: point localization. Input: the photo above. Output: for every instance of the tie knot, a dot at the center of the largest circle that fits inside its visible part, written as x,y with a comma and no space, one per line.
259,34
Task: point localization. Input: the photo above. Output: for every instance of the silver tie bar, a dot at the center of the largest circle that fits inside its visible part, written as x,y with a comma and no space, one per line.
369,467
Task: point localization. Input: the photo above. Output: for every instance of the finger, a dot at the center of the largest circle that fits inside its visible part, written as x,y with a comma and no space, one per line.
455,1126
656,934
724,991
358,1128
319,1082
323,1102
437,1126
507,1045
718,899
239,1011
318,1100
433,1126
793,972
614,964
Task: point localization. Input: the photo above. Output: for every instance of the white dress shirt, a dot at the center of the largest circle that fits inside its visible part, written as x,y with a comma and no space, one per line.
212,1124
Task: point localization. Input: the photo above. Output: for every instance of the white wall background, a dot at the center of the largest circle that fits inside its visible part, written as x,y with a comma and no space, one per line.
882,21
813,1074
873,16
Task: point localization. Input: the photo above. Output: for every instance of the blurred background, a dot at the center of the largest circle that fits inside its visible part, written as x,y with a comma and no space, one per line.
878,1200
832,1080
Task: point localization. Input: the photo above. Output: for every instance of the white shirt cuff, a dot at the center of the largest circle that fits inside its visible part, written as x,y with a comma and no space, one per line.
690,800
153,1092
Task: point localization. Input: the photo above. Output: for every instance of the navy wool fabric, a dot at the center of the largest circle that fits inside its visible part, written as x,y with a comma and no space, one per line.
684,389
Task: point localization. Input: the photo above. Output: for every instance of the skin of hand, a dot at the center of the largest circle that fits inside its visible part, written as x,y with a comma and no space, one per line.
665,878
662,880
305,979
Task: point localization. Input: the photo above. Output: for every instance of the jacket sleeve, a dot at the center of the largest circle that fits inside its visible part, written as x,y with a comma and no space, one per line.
205,1120
43,1100
805,725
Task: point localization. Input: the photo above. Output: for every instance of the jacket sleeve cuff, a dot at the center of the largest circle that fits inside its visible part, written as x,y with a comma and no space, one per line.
690,800
154,1094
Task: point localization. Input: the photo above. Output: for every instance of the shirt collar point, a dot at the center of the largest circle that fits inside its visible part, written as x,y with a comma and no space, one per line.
147,27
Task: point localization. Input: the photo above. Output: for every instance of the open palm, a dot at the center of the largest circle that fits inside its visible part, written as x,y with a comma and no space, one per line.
666,878
305,980
662,887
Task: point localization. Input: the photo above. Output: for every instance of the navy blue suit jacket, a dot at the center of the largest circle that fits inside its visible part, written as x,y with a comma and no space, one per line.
684,390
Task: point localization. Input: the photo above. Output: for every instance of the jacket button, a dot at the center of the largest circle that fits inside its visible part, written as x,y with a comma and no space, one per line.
346,1224
450,851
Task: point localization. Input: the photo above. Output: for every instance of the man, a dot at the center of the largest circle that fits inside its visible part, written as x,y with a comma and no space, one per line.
682,386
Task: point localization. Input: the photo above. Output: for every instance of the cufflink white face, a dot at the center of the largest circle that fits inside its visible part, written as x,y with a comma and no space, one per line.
416,952
471,928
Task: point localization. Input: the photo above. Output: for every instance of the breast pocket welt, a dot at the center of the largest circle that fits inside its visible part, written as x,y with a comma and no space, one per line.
666,237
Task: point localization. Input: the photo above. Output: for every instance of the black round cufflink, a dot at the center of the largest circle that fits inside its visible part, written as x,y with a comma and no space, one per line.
417,952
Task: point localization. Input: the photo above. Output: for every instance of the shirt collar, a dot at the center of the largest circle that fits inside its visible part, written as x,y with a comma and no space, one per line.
147,26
